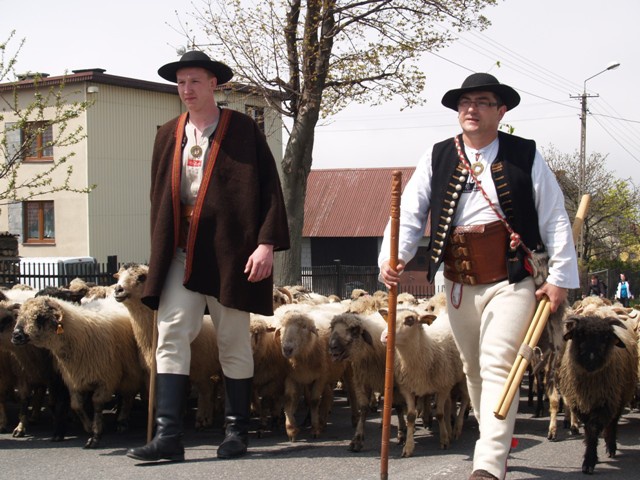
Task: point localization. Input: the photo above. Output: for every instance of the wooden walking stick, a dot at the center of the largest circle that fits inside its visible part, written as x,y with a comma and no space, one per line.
396,188
534,332
152,378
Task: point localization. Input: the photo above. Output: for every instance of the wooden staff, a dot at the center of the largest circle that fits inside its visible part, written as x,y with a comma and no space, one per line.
396,188
152,379
534,332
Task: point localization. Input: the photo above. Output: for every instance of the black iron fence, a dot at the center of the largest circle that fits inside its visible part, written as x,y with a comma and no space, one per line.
39,275
341,280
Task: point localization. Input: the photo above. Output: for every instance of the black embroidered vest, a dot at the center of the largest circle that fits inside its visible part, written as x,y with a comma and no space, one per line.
511,174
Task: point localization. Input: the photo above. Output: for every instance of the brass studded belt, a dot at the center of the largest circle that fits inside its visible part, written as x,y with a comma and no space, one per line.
475,254
186,211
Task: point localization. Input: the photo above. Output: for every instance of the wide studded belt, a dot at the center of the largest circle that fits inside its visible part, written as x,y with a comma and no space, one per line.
186,211
475,254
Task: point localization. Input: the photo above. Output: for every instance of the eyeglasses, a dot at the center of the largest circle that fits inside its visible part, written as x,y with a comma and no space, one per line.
465,103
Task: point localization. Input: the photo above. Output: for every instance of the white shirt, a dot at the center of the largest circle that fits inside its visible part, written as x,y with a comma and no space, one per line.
553,221
193,165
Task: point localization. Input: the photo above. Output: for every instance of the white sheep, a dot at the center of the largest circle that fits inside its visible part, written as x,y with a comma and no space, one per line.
598,377
356,338
428,362
95,351
205,371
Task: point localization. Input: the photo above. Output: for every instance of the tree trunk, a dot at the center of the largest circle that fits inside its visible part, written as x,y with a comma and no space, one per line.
296,166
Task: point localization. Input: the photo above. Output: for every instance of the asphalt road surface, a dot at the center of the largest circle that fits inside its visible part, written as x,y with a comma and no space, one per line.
272,456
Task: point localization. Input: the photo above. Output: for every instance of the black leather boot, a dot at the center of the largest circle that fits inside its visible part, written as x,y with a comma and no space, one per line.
237,403
170,401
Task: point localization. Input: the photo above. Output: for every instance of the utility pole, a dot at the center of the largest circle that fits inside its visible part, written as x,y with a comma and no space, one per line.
582,178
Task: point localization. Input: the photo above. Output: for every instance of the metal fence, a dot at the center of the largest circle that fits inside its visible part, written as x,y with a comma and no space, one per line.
341,280
41,275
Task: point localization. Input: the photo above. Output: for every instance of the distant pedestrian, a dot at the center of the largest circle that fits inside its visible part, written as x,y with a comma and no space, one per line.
597,288
623,293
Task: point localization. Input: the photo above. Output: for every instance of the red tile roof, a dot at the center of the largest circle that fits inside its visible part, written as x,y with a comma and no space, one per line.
349,202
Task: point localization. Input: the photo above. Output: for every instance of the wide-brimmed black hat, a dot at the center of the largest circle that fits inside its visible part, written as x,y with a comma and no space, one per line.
196,58
485,83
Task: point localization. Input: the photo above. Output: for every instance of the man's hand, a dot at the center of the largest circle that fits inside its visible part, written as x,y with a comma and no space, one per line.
557,295
391,277
260,263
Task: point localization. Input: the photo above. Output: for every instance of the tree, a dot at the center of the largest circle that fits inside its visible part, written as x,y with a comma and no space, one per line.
612,222
322,55
40,125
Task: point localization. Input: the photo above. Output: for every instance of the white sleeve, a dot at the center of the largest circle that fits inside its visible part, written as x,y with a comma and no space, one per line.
554,226
414,210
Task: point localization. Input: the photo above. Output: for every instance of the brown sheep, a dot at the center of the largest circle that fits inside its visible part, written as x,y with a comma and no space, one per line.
356,338
95,351
597,377
304,343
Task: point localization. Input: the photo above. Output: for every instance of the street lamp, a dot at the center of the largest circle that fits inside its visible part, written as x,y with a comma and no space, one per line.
583,139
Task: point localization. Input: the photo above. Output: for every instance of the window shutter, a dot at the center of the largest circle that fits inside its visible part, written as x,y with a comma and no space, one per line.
13,136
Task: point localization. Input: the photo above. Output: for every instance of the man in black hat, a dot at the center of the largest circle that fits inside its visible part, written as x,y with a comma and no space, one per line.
493,202
217,216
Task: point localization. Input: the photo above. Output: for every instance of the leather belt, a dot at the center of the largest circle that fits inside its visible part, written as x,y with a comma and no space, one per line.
476,254
186,212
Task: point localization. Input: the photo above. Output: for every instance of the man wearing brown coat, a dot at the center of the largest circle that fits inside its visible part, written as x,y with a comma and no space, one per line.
217,216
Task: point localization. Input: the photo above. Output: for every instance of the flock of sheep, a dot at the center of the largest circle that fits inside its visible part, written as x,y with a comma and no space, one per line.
83,346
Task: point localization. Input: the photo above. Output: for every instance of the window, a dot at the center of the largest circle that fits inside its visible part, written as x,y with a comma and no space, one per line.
257,113
39,138
39,225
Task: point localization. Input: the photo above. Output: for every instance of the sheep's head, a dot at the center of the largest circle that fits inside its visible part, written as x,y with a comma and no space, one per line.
281,296
296,334
8,313
130,281
406,320
346,329
39,318
592,339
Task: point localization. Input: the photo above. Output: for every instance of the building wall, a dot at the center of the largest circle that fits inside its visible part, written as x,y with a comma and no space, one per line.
71,209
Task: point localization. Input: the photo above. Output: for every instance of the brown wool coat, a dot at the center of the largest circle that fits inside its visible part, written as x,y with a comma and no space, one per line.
239,206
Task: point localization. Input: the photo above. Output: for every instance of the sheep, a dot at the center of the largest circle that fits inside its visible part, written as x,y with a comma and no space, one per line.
428,362
303,339
270,369
356,338
281,296
95,351
205,372
7,384
597,376
406,299
32,367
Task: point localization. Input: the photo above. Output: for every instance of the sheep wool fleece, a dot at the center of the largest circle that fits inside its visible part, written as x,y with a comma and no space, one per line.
239,206
489,326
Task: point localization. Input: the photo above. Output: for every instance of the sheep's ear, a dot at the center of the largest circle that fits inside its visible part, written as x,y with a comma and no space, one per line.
569,324
116,275
366,336
276,336
427,318
614,322
273,329
385,314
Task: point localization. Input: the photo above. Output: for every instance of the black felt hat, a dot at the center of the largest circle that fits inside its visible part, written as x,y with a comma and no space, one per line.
482,82
196,58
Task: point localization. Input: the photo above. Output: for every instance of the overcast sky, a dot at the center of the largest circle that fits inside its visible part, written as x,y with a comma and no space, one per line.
546,50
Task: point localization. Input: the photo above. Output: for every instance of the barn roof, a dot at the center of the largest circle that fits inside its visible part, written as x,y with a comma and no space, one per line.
349,202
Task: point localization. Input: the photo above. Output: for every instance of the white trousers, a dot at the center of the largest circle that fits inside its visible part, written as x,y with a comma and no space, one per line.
489,326
180,319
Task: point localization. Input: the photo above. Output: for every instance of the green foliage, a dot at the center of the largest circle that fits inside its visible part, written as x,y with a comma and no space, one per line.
613,220
48,110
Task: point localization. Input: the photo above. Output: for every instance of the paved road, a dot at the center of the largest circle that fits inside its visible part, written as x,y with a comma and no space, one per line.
274,457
